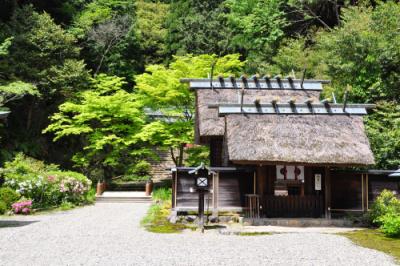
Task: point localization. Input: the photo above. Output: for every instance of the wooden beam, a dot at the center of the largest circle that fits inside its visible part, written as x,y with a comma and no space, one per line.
273,83
291,108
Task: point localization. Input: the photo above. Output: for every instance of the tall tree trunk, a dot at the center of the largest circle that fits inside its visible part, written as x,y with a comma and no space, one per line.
180,161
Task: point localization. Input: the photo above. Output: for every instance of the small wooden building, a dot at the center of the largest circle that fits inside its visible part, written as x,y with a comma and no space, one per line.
276,150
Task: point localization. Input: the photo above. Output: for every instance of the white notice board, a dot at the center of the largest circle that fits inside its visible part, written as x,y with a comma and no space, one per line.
318,181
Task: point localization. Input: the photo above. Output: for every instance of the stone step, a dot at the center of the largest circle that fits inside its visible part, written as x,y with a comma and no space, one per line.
299,222
122,196
122,200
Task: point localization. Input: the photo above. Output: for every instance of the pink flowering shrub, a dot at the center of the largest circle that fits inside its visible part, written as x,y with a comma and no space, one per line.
24,207
46,185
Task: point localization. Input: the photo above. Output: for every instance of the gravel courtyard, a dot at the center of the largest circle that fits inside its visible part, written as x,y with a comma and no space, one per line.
110,234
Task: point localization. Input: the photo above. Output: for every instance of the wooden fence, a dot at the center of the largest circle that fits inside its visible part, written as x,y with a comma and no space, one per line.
291,206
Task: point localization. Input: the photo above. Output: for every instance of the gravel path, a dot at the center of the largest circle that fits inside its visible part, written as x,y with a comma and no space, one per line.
109,234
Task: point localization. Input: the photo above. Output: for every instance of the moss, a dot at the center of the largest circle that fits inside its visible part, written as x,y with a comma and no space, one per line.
374,239
156,220
254,233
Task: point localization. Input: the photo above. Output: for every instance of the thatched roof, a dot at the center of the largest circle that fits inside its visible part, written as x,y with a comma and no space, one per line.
300,139
207,120
264,129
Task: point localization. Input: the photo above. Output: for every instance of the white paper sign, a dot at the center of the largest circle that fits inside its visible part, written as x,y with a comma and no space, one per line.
290,172
318,178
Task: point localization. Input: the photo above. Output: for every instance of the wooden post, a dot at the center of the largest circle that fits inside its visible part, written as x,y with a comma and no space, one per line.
201,210
327,193
175,186
366,185
365,192
261,178
215,194
254,183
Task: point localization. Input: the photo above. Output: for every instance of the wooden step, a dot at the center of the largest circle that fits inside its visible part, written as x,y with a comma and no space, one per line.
122,196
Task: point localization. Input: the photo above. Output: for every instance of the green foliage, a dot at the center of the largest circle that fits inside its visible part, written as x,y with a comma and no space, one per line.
151,30
156,220
160,89
197,27
391,225
15,90
108,119
383,128
365,52
98,11
198,155
65,206
385,203
257,27
8,196
46,185
3,207
162,194
385,212
139,171
5,45
39,45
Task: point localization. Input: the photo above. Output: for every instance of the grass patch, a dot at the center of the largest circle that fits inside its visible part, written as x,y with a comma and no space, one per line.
254,233
374,239
162,194
156,220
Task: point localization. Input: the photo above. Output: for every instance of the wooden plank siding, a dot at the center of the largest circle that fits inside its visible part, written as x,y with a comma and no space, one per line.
347,192
230,190
377,183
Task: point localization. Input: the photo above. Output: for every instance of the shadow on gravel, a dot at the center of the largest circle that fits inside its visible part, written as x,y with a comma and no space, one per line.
12,223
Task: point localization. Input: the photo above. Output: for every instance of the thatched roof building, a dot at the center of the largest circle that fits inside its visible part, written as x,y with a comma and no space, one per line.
279,121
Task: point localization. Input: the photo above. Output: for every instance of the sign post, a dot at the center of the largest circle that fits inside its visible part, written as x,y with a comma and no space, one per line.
202,184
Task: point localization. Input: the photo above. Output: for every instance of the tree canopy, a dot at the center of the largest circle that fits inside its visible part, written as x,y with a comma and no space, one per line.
79,69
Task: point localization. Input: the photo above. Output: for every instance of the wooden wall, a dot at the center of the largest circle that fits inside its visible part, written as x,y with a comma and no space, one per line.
377,183
185,198
231,190
346,191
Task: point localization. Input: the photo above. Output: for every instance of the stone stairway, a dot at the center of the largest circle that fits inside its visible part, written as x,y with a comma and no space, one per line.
123,197
159,168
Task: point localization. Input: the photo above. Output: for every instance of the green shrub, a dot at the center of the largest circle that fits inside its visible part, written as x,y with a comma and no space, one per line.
46,185
162,194
65,206
91,196
22,166
139,171
3,207
198,155
8,196
390,225
385,203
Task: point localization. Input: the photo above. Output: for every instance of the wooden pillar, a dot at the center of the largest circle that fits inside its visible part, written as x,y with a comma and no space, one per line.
364,182
366,189
215,194
327,193
261,180
174,181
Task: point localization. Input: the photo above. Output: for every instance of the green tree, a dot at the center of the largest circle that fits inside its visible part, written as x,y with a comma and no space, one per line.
197,27
257,27
383,127
13,90
107,119
151,30
160,89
